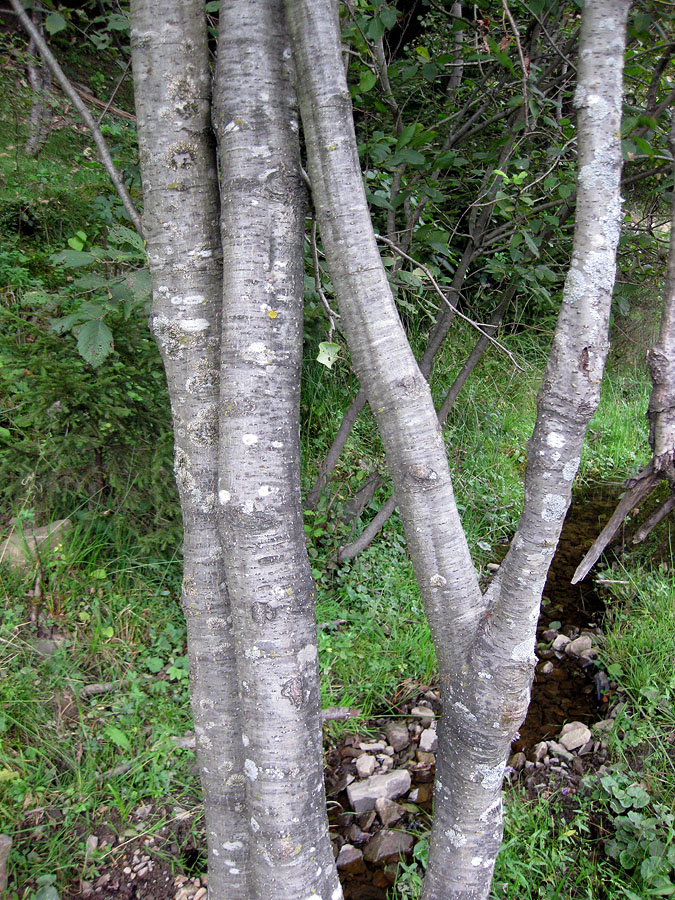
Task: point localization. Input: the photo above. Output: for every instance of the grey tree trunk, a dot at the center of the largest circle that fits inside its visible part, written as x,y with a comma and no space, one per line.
180,186
268,573
484,644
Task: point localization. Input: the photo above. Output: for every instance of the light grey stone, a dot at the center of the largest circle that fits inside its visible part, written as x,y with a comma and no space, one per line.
350,858
363,794
423,712
365,765
558,750
579,645
398,736
604,726
388,846
390,813
375,747
560,643
538,752
429,740
574,735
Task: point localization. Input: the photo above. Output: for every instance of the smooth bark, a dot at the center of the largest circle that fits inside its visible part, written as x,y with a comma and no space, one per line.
269,578
180,187
41,84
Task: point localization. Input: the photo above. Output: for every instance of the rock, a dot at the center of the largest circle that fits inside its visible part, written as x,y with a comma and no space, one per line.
545,668
558,750
398,736
423,792
5,848
22,550
386,763
427,759
350,860
579,645
602,685
538,752
429,740
560,643
390,813
376,747
604,726
91,845
363,794
423,712
550,634
517,761
365,765
574,735
388,846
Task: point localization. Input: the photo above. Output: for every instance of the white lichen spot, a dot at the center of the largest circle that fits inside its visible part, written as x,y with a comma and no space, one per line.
277,445
265,490
230,127
253,653
245,739
224,497
485,676
249,439
555,439
553,507
476,860
259,354
193,326
495,807
437,581
455,837
491,776
254,825
464,712
248,507
555,456
307,655
234,871
570,468
206,703
524,651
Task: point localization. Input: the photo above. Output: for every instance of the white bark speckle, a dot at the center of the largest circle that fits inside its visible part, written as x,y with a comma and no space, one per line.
254,824
249,439
253,653
464,712
307,655
476,860
524,651
265,490
188,300
245,739
437,581
555,439
492,808
251,771
232,845
224,497
192,326
277,445
258,353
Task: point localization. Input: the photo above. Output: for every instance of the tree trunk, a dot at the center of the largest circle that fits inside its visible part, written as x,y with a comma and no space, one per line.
484,645
180,187
268,573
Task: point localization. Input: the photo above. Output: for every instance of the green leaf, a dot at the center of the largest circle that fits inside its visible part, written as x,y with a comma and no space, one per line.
106,631
94,342
55,23
423,52
141,284
213,6
90,282
407,155
5,434
406,135
120,234
388,17
155,664
60,326
530,243
117,737
375,29
70,259
118,22
48,892
367,81
99,574
328,354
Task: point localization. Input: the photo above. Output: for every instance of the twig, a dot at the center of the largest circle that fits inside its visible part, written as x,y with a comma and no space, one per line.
79,105
332,315
523,65
476,325
116,89
89,690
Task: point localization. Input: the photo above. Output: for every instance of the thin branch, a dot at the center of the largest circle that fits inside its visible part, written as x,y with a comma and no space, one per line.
479,327
523,65
74,97
332,315
114,93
